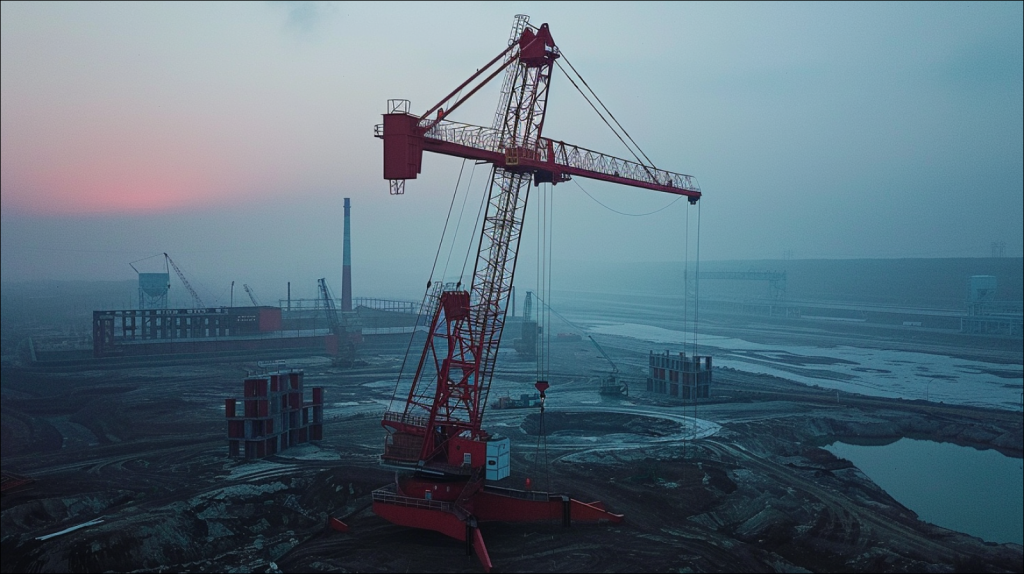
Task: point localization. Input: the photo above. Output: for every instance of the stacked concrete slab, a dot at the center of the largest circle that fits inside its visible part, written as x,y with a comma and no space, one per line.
274,415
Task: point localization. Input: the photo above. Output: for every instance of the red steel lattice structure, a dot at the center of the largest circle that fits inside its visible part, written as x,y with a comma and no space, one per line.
438,431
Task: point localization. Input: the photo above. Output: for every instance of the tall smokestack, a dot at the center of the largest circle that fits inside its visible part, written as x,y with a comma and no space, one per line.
346,265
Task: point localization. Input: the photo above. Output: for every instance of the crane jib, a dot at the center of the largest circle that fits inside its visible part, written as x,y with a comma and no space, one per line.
549,161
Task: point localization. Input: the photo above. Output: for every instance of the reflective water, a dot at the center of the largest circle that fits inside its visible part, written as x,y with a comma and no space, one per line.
978,492
876,372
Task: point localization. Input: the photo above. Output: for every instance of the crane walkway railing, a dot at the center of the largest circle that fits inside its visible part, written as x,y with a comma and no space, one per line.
388,495
567,155
522,494
411,420
544,150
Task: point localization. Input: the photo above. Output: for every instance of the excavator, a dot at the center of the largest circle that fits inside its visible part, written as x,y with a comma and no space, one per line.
448,467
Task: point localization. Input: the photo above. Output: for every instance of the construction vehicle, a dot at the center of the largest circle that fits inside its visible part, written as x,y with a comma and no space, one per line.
610,385
446,463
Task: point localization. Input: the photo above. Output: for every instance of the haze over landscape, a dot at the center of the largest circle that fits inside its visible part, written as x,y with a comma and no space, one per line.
227,134
798,380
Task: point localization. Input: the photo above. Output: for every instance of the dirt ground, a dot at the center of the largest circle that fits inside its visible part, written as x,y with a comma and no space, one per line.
144,451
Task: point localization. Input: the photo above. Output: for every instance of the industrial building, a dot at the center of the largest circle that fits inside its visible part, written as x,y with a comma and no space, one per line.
679,377
139,332
154,329
274,416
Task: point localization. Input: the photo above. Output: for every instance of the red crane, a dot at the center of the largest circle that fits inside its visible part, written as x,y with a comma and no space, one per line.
437,436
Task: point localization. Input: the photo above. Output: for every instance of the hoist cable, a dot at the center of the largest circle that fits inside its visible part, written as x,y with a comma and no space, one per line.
696,284
633,153
458,225
607,110
430,280
444,231
612,209
696,306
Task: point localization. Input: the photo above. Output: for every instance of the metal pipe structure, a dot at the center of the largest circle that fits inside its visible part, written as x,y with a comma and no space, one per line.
346,264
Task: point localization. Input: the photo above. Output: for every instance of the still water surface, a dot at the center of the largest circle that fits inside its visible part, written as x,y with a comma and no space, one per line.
978,492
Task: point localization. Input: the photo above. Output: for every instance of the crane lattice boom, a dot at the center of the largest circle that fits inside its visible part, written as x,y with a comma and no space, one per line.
252,296
196,301
448,392
548,160
436,432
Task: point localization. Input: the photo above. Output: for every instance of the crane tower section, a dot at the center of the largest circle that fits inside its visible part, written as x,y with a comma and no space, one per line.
441,420
436,431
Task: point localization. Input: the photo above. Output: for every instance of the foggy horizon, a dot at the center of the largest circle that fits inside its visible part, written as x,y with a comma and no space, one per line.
815,367
227,135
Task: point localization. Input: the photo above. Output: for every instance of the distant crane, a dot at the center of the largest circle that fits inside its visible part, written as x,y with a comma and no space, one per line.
197,303
610,385
345,352
252,296
332,312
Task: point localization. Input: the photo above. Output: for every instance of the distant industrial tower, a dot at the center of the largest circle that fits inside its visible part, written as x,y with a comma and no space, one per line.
153,289
346,266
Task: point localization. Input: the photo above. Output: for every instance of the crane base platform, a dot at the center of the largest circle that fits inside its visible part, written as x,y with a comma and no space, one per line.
457,512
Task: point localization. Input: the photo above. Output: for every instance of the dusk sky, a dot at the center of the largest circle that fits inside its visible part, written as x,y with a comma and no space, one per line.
228,134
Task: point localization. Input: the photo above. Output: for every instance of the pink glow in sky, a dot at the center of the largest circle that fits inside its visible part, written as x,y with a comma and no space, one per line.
110,109
816,130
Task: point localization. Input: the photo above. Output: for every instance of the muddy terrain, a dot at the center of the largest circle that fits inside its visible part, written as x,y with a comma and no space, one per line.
144,453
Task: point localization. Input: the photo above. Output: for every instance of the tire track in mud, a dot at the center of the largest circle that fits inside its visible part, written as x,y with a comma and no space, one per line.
845,517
